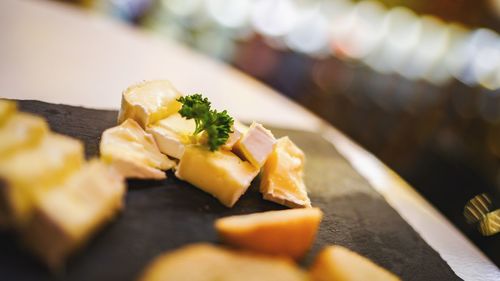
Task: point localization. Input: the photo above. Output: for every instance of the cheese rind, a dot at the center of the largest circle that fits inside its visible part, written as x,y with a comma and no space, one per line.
220,173
339,263
21,131
172,134
282,178
133,152
31,172
67,215
203,262
255,145
286,233
149,102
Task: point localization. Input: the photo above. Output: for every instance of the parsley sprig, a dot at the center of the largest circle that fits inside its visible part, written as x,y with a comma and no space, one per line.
217,125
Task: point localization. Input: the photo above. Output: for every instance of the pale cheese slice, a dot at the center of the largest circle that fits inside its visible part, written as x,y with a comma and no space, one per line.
172,134
255,145
134,152
282,178
238,130
149,102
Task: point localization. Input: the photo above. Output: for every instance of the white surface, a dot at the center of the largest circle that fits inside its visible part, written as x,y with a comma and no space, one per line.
56,53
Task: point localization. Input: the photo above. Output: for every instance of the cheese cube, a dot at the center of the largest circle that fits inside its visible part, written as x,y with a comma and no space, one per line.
149,102
339,263
220,173
133,152
7,108
256,145
172,134
282,178
21,131
239,130
66,216
31,172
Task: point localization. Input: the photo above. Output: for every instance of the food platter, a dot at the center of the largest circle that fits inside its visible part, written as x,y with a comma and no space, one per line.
167,214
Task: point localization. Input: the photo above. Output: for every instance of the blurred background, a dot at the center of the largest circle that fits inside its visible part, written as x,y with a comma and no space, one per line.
415,82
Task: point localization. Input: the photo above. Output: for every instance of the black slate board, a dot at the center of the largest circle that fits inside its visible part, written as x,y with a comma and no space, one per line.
167,214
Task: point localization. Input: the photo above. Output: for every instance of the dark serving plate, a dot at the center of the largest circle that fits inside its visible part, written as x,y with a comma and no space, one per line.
165,215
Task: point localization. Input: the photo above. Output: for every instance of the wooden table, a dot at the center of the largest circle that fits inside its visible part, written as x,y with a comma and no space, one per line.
57,53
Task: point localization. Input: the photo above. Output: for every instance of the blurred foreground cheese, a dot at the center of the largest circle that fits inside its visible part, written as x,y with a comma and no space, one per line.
255,145
286,233
172,134
282,176
66,216
21,131
149,102
7,108
220,173
342,264
31,172
133,152
203,262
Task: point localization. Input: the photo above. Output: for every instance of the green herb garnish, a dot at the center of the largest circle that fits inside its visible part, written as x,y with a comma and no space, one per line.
217,125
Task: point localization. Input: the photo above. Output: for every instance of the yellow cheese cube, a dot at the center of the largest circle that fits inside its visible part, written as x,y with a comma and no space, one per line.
220,173
282,176
149,102
342,264
203,262
66,216
21,131
256,145
133,152
34,171
7,108
172,134
286,233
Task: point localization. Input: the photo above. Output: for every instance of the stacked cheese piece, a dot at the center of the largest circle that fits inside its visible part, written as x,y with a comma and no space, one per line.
150,129
48,193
